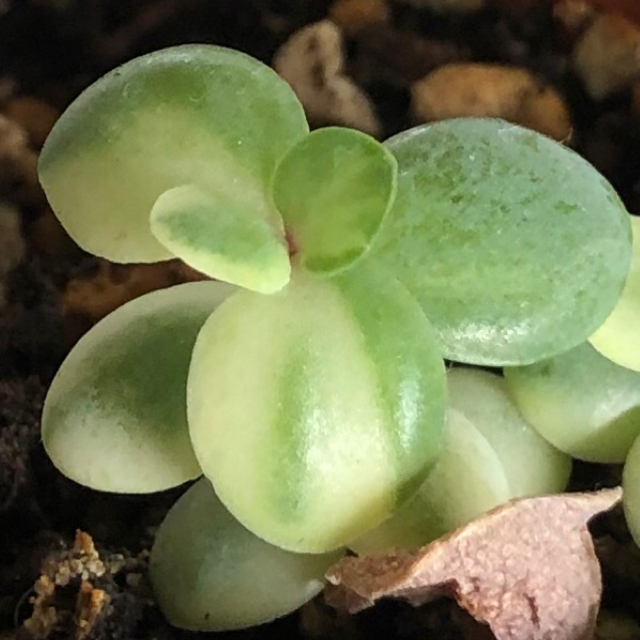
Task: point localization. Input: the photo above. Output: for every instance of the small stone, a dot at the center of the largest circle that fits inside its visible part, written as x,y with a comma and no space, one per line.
105,599
18,164
34,116
574,16
354,15
607,57
312,62
627,8
482,90
528,569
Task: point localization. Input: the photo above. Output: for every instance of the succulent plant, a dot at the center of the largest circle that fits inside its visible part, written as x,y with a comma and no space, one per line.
306,380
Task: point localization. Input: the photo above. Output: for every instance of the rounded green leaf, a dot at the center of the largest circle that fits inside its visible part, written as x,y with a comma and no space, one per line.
316,411
220,240
194,114
210,574
334,189
631,490
115,416
467,481
619,337
532,465
516,248
582,403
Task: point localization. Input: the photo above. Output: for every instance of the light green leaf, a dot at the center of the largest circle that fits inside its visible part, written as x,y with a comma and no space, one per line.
467,480
581,402
532,465
631,490
115,416
619,337
220,240
334,189
516,248
194,114
210,574
316,411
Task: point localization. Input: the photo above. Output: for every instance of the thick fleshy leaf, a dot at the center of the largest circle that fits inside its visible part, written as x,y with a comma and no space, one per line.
467,480
210,574
334,189
224,241
115,417
631,486
619,337
194,114
516,248
581,402
532,466
316,411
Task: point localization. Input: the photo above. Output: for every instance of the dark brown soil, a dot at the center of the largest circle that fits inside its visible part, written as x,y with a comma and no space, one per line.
50,50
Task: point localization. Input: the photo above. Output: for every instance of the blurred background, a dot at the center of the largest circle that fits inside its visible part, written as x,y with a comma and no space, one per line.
567,68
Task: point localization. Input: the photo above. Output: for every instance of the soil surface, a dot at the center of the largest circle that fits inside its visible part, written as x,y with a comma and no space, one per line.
55,584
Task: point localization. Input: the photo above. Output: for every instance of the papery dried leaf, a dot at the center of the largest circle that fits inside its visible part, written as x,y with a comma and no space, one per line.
528,569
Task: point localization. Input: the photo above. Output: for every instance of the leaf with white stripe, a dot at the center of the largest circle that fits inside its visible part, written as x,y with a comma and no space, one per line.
467,481
115,416
619,337
532,465
193,114
317,411
210,574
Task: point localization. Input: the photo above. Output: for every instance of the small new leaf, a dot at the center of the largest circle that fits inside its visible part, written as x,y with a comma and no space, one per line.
223,238
333,190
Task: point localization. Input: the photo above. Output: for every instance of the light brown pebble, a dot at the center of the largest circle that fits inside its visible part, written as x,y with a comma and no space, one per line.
312,62
482,90
354,15
574,17
34,116
628,8
18,164
607,57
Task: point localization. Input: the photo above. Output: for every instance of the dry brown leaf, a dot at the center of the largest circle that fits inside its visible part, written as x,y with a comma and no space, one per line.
528,569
